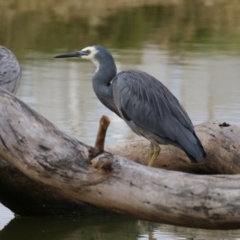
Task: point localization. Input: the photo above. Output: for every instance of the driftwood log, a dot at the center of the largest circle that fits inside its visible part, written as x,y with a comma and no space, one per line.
41,162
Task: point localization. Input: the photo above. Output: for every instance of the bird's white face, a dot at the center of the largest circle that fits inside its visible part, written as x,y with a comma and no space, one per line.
92,52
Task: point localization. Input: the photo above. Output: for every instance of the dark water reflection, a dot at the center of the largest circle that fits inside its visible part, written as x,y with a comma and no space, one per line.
191,46
106,227
92,227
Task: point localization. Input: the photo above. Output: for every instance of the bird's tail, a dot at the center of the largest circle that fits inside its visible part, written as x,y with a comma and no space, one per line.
191,145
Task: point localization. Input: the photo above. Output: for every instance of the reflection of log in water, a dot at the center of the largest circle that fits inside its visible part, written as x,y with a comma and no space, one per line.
48,156
102,227
107,227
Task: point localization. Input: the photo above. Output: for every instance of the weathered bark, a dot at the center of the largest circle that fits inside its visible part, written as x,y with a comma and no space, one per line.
27,197
46,155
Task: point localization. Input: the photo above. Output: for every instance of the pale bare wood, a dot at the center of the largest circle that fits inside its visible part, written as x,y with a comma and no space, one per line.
45,154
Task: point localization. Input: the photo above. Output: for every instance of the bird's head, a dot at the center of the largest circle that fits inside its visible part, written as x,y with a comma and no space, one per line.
97,54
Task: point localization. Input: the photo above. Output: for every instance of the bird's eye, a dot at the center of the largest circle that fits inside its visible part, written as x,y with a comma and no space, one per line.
88,52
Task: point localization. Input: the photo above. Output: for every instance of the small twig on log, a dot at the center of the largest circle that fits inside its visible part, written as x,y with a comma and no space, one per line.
101,162
103,126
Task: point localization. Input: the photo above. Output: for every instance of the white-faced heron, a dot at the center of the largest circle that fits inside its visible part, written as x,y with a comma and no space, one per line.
10,71
143,102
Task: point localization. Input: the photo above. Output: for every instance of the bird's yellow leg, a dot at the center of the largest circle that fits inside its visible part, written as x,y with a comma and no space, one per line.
151,153
154,152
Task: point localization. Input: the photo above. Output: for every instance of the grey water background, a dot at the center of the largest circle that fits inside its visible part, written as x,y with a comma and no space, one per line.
193,47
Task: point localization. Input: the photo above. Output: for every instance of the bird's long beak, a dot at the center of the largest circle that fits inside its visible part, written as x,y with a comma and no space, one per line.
72,54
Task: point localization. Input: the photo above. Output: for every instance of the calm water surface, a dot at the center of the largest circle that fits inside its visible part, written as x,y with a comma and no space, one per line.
196,55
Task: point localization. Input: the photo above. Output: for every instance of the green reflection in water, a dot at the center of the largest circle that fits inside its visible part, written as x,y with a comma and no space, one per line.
103,227
92,227
176,27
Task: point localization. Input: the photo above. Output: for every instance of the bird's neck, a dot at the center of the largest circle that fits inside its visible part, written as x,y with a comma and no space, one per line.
102,84
104,74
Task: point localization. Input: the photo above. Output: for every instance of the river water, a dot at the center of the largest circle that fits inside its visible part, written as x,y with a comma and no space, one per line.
193,48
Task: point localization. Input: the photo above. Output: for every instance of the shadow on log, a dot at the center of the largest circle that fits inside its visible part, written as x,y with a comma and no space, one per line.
60,165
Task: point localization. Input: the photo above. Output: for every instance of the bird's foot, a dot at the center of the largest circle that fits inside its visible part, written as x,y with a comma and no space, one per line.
154,152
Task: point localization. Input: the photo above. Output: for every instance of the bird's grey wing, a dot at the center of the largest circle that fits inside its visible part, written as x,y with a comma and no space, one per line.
147,102
150,105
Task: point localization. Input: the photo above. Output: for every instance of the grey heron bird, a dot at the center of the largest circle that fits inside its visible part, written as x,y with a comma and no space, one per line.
10,71
143,102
